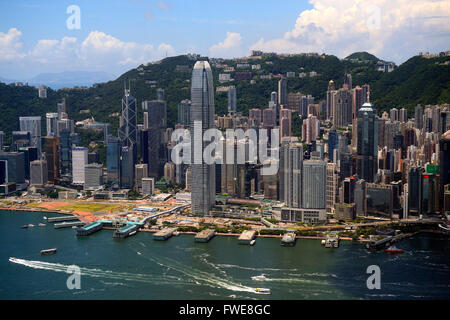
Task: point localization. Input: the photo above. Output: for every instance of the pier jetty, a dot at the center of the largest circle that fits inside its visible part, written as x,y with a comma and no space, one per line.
61,219
247,236
205,235
68,224
164,234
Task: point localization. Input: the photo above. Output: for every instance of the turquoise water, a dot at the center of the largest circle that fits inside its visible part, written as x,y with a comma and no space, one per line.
141,268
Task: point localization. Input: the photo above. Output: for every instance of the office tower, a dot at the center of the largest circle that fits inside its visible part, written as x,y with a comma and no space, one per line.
51,122
126,167
294,101
30,154
169,172
269,118
274,97
310,129
61,108
418,117
148,186
93,176
305,101
2,138
360,96
93,157
430,193
342,113
380,199
348,190
52,154
202,110
79,161
291,160
348,81
444,162
314,184
402,115
330,100
65,140
282,92
360,197
285,123
393,114
184,113
33,126
160,94
64,124
254,118
112,160
333,143
157,124
38,173
367,143
140,172
14,166
232,100
42,92
20,139
332,186
128,122
443,122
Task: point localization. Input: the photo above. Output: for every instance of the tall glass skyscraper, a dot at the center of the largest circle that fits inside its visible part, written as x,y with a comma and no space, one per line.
202,110
128,121
367,143
33,126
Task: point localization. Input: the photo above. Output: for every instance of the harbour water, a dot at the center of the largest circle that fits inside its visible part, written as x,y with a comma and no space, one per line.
180,268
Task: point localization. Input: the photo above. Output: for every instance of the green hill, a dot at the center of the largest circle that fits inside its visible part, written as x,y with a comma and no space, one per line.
419,80
362,56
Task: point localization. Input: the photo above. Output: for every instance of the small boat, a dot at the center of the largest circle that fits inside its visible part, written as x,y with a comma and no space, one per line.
139,253
31,225
74,227
41,225
24,226
393,249
323,242
48,251
262,291
259,278
45,218
252,242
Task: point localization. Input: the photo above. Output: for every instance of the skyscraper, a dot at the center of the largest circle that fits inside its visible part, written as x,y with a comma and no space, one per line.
184,113
367,143
79,161
113,160
202,110
51,122
314,178
291,161
285,122
342,113
232,100
33,126
282,92
52,154
38,173
128,122
157,124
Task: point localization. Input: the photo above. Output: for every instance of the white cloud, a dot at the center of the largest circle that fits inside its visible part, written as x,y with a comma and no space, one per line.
392,29
11,45
229,48
98,51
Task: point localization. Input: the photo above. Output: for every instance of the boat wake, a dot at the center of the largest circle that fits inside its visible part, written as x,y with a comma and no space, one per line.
104,274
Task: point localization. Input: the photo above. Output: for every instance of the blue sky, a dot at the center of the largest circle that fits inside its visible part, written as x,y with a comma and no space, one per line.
117,35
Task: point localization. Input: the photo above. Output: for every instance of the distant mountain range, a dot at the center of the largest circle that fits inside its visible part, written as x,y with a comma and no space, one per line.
66,79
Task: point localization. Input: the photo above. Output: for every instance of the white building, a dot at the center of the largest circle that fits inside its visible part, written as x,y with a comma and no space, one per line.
148,186
79,161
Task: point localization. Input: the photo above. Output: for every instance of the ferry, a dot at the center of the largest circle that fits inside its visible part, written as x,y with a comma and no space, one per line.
48,251
252,242
259,278
262,291
393,249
